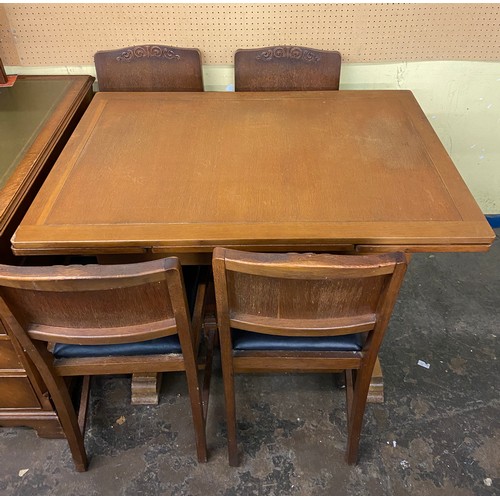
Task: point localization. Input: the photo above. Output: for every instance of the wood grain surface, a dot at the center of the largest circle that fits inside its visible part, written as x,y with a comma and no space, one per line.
185,172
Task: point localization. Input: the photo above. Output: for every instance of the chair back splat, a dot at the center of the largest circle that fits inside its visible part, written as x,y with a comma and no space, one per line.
286,68
130,318
304,313
149,68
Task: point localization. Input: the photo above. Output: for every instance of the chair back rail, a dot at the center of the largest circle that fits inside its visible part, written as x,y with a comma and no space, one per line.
283,68
96,304
302,294
149,68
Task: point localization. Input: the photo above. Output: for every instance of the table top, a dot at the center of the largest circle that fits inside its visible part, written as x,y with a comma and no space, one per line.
184,172
34,113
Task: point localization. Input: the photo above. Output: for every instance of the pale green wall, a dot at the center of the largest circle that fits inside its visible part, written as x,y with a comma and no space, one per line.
461,100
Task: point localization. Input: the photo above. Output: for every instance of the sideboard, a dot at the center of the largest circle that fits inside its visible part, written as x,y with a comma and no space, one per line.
37,116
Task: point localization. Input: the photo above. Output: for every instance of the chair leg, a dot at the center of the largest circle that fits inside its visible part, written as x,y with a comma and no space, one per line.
61,399
69,421
198,419
348,392
356,411
84,404
229,396
55,384
195,398
210,339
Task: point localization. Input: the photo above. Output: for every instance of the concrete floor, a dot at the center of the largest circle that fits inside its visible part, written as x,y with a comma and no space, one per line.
438,432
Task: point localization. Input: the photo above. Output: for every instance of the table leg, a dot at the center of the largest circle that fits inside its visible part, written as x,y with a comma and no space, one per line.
145,388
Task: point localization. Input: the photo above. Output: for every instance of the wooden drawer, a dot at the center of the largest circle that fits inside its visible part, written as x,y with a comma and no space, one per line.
16,392
8,356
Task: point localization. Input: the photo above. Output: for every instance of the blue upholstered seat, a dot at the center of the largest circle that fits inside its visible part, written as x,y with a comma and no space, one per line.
163,345
246,341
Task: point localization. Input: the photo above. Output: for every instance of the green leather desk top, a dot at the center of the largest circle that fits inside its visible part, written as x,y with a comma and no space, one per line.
24,108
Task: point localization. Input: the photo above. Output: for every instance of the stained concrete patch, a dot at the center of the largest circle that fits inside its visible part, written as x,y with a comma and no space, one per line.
486,455
458,366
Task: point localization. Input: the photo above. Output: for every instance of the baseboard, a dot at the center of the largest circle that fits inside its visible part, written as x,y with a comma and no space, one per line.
493,219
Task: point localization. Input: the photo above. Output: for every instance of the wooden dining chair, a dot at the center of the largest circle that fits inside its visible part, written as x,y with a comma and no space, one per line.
286,68
101,320
149,68
304,313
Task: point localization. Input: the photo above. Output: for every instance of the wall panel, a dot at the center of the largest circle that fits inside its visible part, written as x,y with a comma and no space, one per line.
68,34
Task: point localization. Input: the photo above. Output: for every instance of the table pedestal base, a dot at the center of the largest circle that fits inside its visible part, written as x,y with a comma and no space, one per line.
376,391
145,388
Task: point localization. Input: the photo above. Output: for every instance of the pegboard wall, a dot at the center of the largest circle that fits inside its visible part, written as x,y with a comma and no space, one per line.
69,34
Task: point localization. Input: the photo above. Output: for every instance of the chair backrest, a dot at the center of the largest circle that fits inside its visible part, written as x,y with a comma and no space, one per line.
286,68
149,68
306,294
96,304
